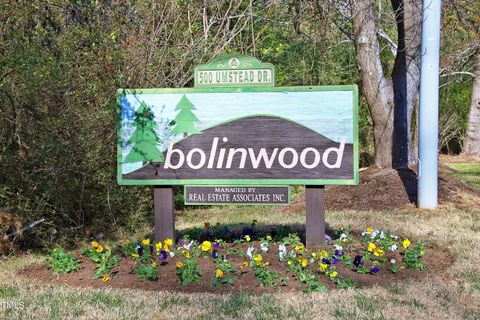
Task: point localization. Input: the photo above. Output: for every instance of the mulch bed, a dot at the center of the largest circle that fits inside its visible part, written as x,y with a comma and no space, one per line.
387,189
124,275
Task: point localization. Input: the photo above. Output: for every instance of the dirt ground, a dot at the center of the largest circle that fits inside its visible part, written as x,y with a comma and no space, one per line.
124,275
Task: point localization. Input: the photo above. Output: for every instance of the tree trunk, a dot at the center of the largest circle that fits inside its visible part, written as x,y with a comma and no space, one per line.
391,102
472,140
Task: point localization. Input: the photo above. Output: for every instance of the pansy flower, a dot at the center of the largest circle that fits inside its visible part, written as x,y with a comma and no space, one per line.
406,243
264,246
146,242
357,261
282,251
206,246
215,254
322,267
163,255
250,252
374,269
394,247
219,273
139,250
215,246
335,260
326,261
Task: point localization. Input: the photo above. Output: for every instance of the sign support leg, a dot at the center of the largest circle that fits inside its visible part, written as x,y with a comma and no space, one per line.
315,226
164,213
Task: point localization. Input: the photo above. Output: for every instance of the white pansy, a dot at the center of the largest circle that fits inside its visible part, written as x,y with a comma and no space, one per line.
382,235
172,254
264,246
374,234
282,252
293,254
250,252
189,245
393,248
339,248
343,236
393,261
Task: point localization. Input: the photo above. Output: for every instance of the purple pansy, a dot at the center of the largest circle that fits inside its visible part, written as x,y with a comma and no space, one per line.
139,250
215,254
374,269
163,255
181,242
326,261
215,246
338,253
357,261
335,260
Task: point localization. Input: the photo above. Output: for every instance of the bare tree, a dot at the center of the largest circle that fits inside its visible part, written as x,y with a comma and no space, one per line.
391,102
472,139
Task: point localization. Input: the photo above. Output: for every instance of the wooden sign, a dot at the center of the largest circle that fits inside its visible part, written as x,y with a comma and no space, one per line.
235,71
247,136
244,195
235,137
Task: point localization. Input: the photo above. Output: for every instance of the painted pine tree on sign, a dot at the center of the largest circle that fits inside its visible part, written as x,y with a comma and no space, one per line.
185,119
144,140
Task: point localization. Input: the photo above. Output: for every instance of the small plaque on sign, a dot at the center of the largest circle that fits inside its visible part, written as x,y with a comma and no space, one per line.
244,195
235,71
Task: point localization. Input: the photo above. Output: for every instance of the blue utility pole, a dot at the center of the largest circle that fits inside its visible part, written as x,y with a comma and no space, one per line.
428,110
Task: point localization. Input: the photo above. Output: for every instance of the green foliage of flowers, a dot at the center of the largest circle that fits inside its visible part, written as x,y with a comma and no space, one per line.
62,262
147,271
223,269
188,271
413,256
103,258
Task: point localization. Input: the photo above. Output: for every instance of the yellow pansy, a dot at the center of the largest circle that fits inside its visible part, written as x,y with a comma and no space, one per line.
179,264
369,230
154,264
95,244
322,267
247,238
266,264
105,278
186,253
303,262
289,262
244,265
323,254
146,242
257,258
206,246
219,273
406,243
371,247
300,248
158,247
99,249
378,252
333,274
168,242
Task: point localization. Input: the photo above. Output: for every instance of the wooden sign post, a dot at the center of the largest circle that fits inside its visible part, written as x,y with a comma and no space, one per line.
237,139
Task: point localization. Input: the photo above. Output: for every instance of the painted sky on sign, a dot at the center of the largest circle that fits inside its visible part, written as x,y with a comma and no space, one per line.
329,113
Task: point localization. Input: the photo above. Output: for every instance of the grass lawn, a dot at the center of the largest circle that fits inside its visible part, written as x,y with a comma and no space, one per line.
453,293
467,172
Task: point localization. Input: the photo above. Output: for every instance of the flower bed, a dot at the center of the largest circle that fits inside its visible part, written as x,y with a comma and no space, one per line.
217,260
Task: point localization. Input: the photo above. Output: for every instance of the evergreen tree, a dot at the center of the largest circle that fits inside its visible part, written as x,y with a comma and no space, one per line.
144,139
185,119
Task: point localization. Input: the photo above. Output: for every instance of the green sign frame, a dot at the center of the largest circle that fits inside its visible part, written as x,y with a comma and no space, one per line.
240,182
234,71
